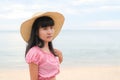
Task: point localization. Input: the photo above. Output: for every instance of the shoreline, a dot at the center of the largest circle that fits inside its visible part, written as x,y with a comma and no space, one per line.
69,73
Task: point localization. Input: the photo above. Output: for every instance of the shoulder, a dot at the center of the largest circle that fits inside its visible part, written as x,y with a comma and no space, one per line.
33,55
34,51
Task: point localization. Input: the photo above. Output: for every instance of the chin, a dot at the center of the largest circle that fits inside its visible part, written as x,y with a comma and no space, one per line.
49,40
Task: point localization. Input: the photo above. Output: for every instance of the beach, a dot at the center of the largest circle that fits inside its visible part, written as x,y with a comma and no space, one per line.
94,55
90,73
69,73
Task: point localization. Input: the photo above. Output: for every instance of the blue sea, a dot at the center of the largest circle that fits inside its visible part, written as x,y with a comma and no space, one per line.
79,47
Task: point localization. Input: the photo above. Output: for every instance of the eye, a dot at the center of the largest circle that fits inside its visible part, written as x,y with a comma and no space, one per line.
51,27
45,28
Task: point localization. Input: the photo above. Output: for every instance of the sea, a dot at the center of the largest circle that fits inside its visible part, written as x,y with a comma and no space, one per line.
79,48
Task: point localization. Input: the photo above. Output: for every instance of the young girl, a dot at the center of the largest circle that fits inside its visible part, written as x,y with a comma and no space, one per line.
38,32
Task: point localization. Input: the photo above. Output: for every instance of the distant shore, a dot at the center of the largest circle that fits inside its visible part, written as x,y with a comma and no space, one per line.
68,73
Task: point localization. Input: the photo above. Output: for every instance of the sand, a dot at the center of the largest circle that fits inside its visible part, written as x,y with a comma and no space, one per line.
90,73
68,73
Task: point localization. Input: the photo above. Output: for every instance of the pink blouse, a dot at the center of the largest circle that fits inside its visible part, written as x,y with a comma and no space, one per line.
47,62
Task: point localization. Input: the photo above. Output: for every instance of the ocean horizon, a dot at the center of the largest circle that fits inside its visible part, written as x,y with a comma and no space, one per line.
79,47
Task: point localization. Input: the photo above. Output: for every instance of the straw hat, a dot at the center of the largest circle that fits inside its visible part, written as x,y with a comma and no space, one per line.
27,25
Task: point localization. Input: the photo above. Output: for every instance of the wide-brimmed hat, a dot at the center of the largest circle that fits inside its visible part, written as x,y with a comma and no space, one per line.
27,25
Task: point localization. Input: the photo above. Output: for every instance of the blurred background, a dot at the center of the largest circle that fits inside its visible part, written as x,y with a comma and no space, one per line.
90,35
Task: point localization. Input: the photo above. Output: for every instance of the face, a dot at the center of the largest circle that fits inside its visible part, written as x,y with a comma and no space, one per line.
46,33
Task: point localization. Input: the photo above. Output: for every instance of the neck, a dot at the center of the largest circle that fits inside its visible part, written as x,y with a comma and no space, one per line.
46,47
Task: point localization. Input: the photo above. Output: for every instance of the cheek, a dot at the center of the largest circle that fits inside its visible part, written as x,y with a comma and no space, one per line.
40,33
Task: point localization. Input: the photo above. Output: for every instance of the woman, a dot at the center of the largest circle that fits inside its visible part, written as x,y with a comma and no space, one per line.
38,32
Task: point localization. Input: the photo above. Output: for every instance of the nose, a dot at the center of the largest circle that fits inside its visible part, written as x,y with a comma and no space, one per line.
50,31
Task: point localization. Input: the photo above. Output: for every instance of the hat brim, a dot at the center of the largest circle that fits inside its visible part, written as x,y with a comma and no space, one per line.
27,25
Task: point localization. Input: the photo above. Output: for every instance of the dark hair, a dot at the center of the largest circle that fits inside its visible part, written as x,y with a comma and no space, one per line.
34,40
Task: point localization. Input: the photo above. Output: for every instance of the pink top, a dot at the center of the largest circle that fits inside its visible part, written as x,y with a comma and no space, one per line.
47,62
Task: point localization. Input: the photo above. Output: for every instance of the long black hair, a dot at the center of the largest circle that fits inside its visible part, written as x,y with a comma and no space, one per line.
35,40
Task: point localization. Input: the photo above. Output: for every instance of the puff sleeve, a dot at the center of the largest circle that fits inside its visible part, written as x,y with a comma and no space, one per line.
33,56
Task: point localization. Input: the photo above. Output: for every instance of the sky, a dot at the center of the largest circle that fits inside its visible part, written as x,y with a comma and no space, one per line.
79,14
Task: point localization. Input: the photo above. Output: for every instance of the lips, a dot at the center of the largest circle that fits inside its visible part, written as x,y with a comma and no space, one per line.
49,36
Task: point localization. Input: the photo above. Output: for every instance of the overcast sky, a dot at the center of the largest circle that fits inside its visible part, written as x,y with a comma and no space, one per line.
79,14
